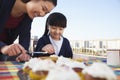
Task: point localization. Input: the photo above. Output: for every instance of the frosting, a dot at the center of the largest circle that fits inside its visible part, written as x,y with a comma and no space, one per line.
100,70
62,73
26,64
70,63
44,65
31,63
75,64
62,61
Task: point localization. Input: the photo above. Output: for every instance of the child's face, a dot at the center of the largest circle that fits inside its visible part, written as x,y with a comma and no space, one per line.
56,32
38,8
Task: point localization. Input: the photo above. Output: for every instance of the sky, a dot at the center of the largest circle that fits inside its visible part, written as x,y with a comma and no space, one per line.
86,19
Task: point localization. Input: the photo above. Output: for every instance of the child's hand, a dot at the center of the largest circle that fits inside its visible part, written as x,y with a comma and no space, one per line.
49,48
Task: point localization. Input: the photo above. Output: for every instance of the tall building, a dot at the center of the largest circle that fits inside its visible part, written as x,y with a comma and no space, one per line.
86,44
100,44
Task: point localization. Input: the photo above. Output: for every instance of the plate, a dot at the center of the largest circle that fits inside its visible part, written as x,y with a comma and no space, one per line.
22,75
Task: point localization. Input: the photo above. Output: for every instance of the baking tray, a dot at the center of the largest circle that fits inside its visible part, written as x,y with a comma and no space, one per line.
22,75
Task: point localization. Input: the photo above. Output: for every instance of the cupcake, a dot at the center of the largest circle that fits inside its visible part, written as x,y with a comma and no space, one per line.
75,65
41,69
29,65
62,73
62,61
99,71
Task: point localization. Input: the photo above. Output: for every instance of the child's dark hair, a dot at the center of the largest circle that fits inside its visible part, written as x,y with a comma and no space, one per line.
53,1
55,19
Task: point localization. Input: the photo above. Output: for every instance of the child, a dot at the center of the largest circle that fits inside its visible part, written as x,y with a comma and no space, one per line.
53,41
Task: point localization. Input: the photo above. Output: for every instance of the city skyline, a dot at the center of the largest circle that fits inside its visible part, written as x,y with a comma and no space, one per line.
89,19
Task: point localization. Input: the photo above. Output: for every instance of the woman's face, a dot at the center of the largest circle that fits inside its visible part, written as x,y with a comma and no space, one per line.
56,32
38,8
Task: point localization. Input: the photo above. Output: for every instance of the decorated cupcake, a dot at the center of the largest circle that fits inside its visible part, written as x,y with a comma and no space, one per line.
75,65
41,69
62,61
99,71
29,65
62,73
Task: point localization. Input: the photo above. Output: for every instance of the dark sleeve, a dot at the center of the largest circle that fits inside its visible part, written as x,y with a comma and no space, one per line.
40,44
0,3
24,33
5,9
69,52
2,44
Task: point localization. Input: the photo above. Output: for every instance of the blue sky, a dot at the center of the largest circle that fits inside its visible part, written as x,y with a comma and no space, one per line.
86,19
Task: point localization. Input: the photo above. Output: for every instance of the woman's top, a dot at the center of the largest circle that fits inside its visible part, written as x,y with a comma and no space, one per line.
22,29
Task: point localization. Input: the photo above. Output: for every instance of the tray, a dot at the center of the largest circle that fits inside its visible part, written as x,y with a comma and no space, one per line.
22,75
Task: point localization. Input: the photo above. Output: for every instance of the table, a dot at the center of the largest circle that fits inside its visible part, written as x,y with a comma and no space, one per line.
8,70
116,71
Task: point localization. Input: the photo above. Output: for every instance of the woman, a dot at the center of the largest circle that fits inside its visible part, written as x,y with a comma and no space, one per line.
53,41
15,20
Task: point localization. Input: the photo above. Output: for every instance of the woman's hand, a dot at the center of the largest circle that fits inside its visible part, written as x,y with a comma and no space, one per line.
13,49
23,57
49,49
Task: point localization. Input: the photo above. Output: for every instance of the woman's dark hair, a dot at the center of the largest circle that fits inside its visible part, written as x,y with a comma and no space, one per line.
55,19
25,1
53,1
